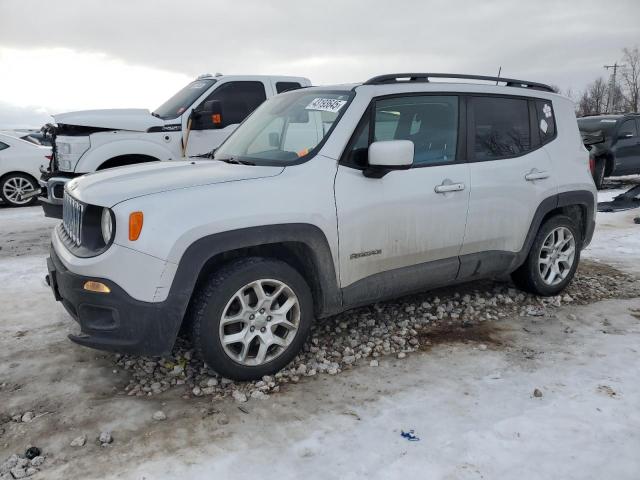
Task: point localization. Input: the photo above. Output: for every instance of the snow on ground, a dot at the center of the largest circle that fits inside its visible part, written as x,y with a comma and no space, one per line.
471,403
617,239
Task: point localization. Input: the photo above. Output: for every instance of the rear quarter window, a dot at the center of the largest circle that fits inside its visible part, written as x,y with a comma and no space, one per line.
546,120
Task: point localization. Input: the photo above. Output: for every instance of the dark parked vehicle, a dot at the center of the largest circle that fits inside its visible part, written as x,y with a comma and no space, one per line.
613,143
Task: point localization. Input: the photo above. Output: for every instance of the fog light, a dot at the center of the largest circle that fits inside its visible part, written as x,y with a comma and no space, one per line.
97,287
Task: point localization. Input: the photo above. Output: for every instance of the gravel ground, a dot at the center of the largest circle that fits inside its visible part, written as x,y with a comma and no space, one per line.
363,335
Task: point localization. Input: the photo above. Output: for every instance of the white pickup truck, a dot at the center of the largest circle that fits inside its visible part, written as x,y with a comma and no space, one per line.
192,123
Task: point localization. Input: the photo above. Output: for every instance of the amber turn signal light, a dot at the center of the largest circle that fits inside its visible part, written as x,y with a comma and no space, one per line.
135,225
97,287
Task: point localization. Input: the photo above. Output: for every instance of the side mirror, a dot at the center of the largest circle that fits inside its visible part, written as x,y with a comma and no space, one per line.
209,116
389,155
625,135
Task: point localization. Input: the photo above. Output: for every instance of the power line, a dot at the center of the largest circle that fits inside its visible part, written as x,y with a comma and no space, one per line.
612,85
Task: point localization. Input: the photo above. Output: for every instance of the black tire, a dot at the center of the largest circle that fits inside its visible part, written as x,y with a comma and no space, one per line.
6,185
598,174
528,276
209,304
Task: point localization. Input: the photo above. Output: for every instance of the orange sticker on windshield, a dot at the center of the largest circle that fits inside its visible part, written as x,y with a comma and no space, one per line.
302,153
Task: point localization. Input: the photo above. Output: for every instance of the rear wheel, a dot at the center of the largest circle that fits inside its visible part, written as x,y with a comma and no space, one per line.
13,186
553,258
251,318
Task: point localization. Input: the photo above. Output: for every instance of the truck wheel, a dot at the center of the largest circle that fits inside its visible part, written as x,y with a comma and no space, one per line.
553,258
13,186
598,174
251,318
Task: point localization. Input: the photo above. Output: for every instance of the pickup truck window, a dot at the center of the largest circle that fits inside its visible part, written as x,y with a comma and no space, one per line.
282,87
238,99
176,105
286,127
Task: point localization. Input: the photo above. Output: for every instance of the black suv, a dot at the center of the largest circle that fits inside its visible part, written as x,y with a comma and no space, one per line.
613,143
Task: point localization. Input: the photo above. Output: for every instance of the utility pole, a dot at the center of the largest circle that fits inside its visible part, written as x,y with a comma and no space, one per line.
612,85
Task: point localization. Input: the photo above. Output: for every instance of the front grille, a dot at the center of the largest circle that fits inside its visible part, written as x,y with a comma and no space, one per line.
72,211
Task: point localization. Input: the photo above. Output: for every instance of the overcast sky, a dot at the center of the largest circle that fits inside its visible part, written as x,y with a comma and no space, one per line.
64,55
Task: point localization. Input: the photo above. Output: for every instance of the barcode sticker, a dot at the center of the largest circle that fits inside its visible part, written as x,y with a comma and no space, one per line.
326,104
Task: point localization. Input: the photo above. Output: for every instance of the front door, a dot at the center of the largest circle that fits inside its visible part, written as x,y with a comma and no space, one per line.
403,231
238,99
627,148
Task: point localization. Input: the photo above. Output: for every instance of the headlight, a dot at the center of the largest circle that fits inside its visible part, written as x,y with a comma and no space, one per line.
63,148
106,225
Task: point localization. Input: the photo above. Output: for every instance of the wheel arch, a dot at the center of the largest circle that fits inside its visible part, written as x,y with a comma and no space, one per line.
302,246
18,172
128,159
96,157
578,205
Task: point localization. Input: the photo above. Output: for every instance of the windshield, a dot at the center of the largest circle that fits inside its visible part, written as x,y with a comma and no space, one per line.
596,126
286,128
176,105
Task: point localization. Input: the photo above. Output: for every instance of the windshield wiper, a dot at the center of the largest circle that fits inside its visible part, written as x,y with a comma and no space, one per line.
234,161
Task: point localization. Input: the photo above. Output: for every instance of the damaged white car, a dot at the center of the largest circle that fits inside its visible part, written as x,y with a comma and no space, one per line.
192,123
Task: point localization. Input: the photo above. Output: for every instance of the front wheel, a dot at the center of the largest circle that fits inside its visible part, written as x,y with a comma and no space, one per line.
251,318
13,186
553,258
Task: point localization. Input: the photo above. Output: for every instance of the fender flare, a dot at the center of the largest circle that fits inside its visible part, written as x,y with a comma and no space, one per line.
196,256
95,157
583,198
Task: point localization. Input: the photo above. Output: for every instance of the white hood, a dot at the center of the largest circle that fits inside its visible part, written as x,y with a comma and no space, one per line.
114,185
134,119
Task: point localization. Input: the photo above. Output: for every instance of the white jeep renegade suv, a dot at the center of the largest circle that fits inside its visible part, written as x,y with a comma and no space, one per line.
324,199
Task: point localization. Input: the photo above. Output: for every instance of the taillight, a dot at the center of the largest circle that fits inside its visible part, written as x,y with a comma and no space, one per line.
48,157
592,164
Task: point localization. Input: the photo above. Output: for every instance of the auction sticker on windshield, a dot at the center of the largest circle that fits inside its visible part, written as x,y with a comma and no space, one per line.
326,104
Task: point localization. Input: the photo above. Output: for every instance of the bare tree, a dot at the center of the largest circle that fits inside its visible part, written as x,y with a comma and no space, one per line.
593,100
631,78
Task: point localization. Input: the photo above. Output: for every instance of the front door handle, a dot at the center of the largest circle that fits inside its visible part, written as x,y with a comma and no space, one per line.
449,187
536,175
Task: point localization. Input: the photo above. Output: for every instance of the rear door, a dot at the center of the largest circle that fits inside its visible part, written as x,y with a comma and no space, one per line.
627,148
238,99
511,174
403,231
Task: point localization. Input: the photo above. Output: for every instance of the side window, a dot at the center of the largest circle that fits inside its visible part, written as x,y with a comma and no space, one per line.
238,99
286,86
3,146
500,127
546,120
628,127
430,122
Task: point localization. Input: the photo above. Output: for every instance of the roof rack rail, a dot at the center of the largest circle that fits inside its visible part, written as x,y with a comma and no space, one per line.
424,77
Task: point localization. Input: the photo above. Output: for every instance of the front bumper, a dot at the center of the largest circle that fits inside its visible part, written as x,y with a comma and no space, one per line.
113,321
52,193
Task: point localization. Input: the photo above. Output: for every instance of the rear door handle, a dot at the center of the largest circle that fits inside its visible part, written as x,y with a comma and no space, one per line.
449,187
536,175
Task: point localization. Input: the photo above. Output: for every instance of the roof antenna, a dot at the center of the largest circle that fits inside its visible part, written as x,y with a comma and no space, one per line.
499,72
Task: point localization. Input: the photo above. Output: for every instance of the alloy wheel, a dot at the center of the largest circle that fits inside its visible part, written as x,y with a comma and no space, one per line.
557,256
13,189
259,322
